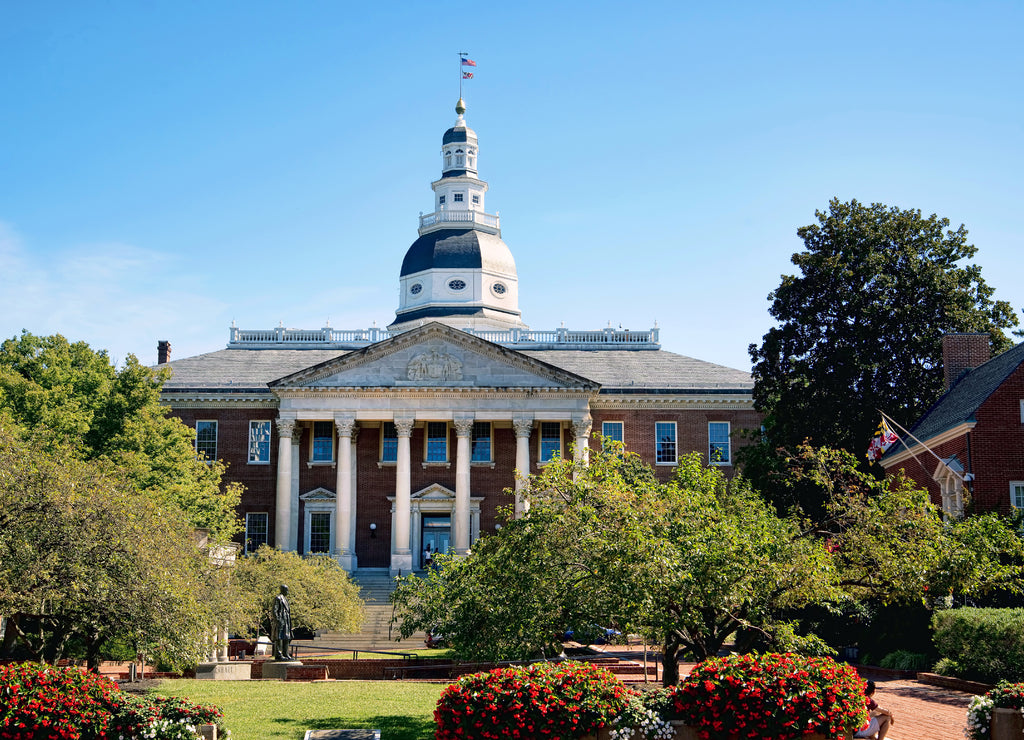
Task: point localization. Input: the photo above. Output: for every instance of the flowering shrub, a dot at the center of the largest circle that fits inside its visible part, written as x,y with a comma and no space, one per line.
45,703
556,700
979,715
40,702
781,696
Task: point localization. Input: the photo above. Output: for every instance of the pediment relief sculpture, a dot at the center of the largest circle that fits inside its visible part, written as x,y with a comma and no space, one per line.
434,365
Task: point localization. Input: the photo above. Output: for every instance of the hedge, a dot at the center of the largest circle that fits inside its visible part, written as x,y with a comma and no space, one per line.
981,644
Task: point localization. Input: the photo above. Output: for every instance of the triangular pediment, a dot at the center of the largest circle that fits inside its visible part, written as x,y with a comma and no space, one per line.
435,492
434,356
318,494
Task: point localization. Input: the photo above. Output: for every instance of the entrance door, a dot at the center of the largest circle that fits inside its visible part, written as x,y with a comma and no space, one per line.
437,532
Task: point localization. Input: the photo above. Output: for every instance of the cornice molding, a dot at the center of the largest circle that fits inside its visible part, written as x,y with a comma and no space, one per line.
211,401
696,403
439,392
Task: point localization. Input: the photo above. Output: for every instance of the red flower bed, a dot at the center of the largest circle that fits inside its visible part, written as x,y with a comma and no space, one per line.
780,696
40,702
560,700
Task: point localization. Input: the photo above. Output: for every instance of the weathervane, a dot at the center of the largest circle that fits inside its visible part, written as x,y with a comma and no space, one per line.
464,61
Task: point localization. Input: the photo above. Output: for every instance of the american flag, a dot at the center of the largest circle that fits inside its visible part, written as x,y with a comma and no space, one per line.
468,62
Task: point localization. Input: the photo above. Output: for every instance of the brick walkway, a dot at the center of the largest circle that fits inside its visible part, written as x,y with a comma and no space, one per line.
922,711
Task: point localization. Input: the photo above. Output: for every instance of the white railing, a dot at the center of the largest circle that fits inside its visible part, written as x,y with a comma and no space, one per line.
476,218
329,338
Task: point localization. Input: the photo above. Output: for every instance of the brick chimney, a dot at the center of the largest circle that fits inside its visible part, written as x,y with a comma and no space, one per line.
962,352
163,352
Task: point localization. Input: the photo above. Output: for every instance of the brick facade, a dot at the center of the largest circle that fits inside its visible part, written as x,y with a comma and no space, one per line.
376,481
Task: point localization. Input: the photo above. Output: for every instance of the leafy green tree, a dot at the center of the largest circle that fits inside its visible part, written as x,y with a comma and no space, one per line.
85,558
320,594
860,328
687,563
76,400
892,545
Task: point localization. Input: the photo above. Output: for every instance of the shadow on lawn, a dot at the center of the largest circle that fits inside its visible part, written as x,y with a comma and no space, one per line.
392,727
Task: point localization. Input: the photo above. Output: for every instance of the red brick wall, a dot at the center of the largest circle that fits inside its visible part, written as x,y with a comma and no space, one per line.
996,450
376,482
691,432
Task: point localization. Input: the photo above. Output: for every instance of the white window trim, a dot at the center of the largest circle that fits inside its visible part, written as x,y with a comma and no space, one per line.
1022,411
490,448
266,529
1014,484
728,441
622,427
447,444
321,501
312,444
216,438
248,454
381,462
675,439
540,441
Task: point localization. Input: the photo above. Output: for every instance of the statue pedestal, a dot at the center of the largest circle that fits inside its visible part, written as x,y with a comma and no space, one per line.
278,669
236,670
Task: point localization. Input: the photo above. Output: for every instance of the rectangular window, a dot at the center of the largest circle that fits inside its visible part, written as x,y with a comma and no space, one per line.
255,531
320,531
719,452
259,441
440,199
550,440
612,430
1022,412
1017,494
665,445
457,197
476,199
206,440
389,442
481,441
323,441
437,441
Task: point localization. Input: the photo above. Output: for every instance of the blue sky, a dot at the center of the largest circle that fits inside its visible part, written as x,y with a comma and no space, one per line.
169,167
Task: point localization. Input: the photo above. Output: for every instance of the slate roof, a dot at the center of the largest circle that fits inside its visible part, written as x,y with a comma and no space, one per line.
457,249
970,391
617,371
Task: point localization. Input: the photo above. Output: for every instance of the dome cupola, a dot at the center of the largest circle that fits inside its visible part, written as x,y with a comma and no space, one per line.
459,271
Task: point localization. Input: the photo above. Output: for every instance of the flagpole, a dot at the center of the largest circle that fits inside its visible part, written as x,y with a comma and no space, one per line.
922,444
461,55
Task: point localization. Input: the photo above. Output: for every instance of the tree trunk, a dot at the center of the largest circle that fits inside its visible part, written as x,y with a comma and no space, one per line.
670,661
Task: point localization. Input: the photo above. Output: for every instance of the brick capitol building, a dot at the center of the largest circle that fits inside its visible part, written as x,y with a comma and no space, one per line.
372,444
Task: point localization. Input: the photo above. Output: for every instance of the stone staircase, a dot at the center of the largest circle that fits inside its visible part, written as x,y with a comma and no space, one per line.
375,586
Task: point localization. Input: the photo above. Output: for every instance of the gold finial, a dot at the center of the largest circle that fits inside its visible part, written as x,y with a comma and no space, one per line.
460,107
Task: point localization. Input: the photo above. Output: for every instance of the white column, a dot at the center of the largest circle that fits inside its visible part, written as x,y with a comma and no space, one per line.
522,428
401,549
581,431
355,478
223,653
283,505
343,492
463,432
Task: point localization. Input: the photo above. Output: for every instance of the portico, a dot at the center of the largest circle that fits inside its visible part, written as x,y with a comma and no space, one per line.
441,384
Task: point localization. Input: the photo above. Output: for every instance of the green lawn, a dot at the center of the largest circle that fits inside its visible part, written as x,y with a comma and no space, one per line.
274,710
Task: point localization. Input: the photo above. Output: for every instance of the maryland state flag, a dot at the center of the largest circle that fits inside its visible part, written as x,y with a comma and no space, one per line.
883,439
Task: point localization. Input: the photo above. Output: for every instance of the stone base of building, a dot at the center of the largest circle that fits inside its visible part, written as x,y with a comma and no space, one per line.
236,670
278,669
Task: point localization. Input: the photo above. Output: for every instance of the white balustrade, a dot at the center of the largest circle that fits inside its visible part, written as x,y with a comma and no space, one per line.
519,338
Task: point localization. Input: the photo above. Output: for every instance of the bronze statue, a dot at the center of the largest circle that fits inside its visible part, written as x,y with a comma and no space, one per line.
282,624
